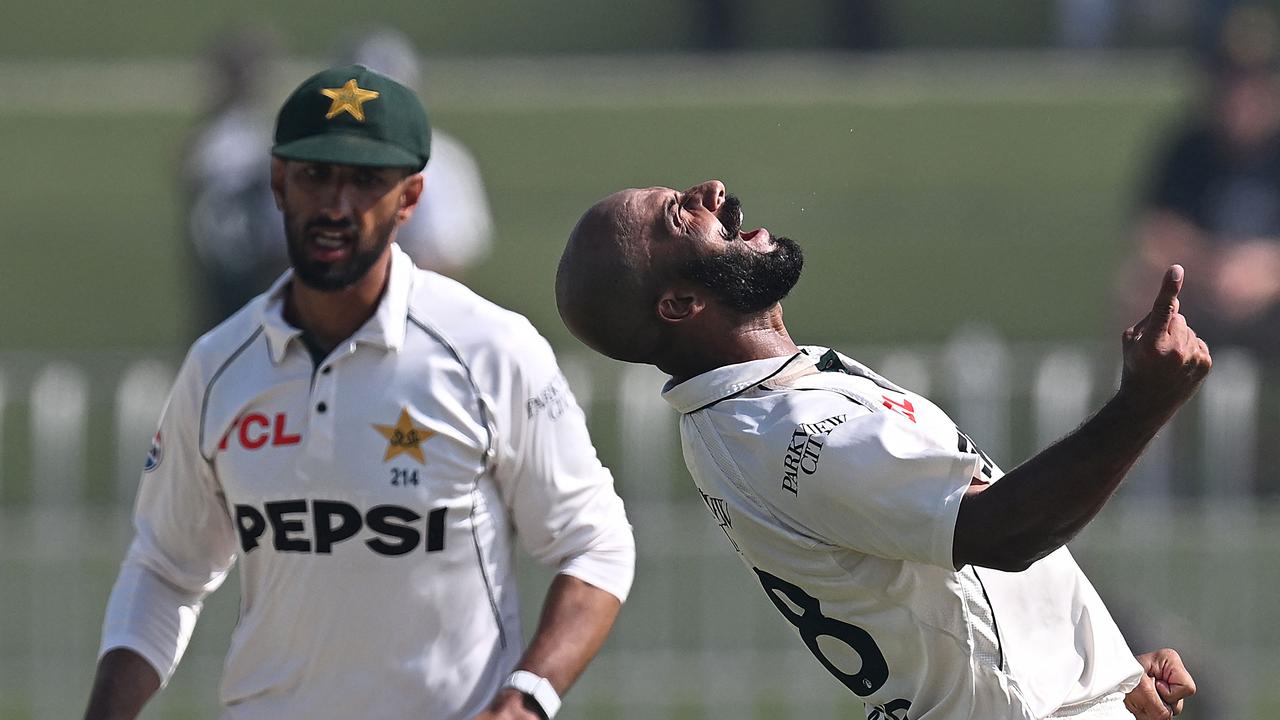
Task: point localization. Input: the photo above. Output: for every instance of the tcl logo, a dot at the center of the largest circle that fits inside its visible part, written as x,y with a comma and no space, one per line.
256,430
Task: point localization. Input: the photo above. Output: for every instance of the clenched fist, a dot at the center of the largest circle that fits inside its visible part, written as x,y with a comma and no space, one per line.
1164,686
1164,360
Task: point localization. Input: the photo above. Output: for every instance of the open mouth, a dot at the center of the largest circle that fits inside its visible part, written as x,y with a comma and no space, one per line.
329,245
731,218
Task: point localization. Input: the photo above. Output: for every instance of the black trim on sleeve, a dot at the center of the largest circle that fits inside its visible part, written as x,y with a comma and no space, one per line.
484,466
208,389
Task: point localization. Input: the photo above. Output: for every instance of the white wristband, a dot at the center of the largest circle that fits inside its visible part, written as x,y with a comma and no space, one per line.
538,688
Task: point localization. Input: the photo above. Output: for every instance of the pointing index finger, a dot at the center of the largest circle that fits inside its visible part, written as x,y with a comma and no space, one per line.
1166,304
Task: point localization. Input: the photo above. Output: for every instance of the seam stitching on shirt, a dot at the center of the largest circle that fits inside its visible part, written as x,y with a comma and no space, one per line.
484,466
208,389
736,476
995,624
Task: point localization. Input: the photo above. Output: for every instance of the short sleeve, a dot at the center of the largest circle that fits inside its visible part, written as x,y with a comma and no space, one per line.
559,495
888,487
183,543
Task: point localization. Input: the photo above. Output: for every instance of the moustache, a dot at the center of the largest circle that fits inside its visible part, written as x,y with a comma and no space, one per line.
328,224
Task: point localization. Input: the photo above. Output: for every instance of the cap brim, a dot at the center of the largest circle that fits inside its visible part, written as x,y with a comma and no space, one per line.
339,149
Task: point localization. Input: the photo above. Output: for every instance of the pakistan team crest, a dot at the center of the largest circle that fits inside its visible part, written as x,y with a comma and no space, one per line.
404,438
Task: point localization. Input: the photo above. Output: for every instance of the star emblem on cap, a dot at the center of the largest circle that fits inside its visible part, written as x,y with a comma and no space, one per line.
350,98
404,438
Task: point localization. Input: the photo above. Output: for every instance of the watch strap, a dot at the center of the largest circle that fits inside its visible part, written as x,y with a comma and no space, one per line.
538,688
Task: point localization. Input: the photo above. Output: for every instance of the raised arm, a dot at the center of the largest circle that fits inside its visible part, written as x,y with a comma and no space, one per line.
1040,505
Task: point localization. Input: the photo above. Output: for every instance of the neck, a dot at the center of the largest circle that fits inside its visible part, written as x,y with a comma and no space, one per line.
757,337
330,317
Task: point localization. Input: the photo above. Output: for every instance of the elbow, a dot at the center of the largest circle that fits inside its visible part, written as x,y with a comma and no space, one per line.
1010,556
1003,562
1000,542
608,564
1009,564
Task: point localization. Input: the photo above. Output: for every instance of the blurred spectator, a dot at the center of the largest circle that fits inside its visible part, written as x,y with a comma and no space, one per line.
451,229
1214,201
1100,24
858,24
853,24
235,230
719,24
1087,24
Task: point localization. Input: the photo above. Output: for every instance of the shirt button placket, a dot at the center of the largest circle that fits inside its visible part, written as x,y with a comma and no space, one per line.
322,412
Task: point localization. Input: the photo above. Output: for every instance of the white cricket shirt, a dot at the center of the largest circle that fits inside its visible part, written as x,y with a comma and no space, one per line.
371,501
840,491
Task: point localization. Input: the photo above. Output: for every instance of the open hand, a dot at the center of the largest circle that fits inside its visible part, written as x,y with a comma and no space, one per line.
1165,685
1164,360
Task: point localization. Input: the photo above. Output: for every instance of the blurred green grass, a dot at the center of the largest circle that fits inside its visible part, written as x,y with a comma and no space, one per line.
131,28
915,217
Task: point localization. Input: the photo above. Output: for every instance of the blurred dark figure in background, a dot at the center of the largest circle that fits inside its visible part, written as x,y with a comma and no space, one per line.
1100,24
854,24
1214,200
236,233
859,24
720,25
452,229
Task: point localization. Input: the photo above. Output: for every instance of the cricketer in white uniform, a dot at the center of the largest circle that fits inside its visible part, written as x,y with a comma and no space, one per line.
873,524
840,491
371,494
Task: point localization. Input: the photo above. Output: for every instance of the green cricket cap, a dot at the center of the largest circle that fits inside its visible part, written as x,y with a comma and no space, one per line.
353,116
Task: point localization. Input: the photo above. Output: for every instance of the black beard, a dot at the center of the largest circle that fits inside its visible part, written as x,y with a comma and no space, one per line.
331,277
750,281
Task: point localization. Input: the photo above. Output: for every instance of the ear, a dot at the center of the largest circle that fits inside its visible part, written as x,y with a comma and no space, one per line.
410,194
679,305
277,181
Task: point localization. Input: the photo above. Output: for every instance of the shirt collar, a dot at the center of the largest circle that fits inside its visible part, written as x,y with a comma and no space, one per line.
386,329
724,382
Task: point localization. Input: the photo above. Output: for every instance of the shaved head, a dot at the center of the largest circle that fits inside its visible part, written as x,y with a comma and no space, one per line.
604,285
660,276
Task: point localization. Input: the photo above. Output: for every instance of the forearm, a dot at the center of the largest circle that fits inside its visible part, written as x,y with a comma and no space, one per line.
1044,502
576,619
123,684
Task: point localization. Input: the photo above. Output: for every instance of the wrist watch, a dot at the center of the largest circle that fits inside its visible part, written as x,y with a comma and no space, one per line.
538,688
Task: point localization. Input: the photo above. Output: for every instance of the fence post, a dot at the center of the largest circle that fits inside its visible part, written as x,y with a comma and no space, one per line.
645,423
977,362
59,430
3,409
139,398
1228,457
581,382
1228,437
908,370
645,428
1061,394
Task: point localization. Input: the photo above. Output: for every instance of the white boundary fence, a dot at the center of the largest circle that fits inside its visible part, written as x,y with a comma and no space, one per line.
1184,555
